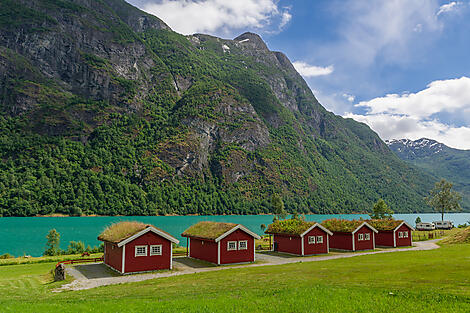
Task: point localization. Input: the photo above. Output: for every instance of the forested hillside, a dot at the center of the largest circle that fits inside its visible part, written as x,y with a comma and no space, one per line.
105,110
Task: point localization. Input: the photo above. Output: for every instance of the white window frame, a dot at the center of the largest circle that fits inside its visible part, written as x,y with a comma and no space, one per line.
311,240
228,245
240,246
405,234
400,234
360,237
141,254
155,246
366,236
319,239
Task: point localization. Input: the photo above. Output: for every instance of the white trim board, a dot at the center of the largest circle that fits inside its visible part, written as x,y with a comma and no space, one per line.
411,227
146,230
218,253
239,226
319,226
366,224
123,259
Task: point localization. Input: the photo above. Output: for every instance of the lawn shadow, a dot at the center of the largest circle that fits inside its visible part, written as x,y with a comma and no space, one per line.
186,262
99,270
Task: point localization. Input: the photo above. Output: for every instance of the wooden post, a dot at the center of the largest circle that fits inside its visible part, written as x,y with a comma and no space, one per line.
186,246
270,246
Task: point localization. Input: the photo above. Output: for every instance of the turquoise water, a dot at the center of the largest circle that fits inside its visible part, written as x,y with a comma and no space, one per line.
27,235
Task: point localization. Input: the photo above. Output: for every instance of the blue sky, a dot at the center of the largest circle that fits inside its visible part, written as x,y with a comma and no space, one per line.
400,66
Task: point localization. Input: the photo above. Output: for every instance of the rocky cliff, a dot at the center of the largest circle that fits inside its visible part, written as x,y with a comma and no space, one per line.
104,109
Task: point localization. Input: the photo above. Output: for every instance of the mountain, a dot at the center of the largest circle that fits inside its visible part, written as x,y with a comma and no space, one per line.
106,110
439,160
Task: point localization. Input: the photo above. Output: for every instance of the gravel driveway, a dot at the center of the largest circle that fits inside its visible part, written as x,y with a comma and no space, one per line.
97,274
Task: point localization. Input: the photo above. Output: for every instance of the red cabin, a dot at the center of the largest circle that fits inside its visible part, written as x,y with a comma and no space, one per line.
221,243
392,233
131,247
351,235
299,237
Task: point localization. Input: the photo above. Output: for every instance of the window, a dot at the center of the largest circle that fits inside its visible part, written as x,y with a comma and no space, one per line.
405,234
140,250
319,239
311,240
361,237
231,245
242,245
156,250
400,234
367,236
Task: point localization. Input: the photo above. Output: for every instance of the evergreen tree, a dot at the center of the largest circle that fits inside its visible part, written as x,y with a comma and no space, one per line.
381,210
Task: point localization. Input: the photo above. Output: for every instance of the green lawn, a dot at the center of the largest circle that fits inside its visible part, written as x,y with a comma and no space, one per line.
407,281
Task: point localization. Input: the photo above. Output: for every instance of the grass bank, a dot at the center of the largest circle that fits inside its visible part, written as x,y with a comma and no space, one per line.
417,281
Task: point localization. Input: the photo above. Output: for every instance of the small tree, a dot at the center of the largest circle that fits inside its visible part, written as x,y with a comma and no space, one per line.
278,207
443,199
381,210
53,243
418,220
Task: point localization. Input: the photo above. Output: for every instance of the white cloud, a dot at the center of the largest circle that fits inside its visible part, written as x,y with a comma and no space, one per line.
218,16
308,70
399,127
349,97
448,7
417,115
439,96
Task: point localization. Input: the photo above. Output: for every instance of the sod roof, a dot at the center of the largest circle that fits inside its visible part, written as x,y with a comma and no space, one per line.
338,225
384,224
289,227
208,230
118,232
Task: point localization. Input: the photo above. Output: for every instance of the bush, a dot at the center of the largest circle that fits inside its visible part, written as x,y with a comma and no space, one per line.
6,256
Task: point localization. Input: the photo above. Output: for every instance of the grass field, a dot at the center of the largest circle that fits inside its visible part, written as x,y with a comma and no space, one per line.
407,281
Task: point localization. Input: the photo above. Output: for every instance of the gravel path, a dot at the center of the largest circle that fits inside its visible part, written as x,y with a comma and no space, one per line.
95,275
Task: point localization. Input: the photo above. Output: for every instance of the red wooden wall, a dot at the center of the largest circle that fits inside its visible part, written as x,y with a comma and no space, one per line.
147,263
403,242
341,240
113,255
288,244
316,248
364,244
237,256
203,249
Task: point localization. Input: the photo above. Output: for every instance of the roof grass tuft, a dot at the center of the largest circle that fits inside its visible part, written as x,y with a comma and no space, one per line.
208,230
117,232
384,224
339,225
289,227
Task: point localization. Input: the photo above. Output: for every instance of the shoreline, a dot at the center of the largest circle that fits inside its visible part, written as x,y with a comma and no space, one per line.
261,214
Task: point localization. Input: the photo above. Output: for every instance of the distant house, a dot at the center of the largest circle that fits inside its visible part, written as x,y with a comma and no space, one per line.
392,233
221,243
350,235
131,247
299,237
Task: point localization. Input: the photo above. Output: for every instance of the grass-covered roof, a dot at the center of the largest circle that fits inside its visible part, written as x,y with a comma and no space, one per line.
208,230
117,232
384,224
289,227
339,225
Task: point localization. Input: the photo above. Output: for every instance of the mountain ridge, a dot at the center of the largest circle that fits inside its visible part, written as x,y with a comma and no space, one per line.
106,110
437,159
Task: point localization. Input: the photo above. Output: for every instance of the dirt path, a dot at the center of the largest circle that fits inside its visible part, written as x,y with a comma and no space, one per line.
96,274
